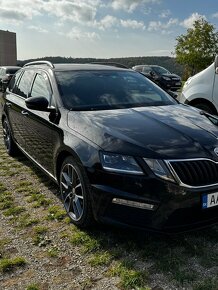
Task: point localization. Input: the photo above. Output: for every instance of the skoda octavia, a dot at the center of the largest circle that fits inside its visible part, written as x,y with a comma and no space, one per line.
121,149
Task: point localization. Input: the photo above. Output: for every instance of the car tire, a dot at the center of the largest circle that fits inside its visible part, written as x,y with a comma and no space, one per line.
10,145
76,193
204,107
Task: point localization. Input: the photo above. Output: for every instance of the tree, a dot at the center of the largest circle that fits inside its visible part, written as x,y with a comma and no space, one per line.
197,48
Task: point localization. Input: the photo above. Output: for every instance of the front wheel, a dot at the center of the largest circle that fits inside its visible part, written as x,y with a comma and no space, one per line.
75,193
10,146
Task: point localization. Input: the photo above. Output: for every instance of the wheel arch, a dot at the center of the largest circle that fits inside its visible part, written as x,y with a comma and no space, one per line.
203,101
62,155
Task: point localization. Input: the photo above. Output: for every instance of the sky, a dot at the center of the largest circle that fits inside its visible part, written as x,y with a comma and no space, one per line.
100,28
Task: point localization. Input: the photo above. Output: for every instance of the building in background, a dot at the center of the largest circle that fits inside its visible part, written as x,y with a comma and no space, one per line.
8,48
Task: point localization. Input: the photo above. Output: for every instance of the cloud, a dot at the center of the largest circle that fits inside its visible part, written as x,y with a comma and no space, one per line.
164,27
12,15
188,22
77,11
38,29
20,10
215,15
165,13
107,22
77,34
132,24
129,5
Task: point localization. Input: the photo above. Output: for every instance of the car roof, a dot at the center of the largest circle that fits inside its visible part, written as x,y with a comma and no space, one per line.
151,65
10,67
74,66
69,66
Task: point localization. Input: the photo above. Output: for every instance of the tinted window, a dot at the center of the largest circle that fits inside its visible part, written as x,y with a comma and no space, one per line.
41,86
160,70
2,72
138,69
11,70
147,69
23,86
14,81
96,90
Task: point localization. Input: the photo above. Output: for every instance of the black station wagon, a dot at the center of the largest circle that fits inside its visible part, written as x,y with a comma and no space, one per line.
121,149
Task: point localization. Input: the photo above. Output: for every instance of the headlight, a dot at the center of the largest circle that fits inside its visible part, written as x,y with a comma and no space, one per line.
166,78
159,168
120,163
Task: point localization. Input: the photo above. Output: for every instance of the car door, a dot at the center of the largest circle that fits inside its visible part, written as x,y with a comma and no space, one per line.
42,127
15,104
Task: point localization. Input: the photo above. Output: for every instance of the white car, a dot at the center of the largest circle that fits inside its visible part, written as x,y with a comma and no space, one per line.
201,90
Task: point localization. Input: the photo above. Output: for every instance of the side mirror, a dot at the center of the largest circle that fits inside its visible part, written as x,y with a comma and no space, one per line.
38,103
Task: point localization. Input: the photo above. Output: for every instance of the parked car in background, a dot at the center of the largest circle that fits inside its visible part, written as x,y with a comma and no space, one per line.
201,90
121,149
161,76
6,73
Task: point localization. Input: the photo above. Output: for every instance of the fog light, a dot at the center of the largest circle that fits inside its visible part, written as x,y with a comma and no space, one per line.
133,203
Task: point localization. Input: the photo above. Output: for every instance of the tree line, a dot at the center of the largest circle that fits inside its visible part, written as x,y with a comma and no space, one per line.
168,62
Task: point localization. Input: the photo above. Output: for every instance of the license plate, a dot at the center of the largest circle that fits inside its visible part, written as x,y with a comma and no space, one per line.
210,200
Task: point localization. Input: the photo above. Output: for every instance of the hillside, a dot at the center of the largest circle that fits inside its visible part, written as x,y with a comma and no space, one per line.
165,61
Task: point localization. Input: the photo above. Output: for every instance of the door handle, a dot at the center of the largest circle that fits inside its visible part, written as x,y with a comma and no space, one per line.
25,113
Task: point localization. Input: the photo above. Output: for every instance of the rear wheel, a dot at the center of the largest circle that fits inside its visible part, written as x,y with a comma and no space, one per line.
75,193
10,146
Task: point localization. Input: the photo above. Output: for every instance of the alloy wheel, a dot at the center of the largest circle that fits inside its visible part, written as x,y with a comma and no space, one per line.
6,135
72,192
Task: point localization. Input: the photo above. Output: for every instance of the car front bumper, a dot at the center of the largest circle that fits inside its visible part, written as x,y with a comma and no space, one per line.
150,203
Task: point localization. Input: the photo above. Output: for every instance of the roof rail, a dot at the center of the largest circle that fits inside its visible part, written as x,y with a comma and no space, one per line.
40,62
116,64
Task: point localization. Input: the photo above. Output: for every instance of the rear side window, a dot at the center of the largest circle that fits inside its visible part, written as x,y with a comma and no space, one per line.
23,87
138,69
2,71
14,81
147,69
41,87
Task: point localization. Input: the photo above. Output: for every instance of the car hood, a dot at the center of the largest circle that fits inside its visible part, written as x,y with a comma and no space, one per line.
174,131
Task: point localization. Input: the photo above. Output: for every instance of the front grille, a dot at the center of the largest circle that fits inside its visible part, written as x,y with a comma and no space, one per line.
196,172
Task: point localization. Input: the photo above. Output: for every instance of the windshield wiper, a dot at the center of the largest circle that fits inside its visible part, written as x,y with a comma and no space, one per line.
212,118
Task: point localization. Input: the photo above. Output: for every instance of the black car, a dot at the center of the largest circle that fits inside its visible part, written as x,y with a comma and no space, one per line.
6,73
121,149
161,76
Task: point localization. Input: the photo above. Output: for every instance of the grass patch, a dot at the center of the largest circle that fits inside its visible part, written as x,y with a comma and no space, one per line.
38,235
7,204
56,213
53,252
7,265
26,221
129,277
39,200
33,287
2,188
14,210
88,243
99,259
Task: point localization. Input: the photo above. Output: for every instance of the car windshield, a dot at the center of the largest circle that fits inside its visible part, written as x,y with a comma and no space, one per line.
161,70
103,90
